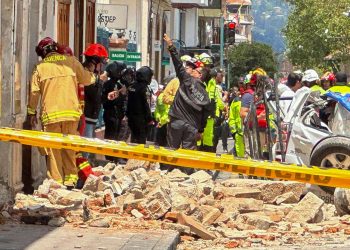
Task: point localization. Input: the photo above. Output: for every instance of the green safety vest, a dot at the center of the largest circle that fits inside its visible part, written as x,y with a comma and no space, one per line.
341,88
161,113
234,120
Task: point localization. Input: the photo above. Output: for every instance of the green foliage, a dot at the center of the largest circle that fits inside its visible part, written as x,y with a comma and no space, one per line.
246,57
317,29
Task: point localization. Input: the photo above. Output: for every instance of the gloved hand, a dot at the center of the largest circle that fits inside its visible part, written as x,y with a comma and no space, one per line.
198,136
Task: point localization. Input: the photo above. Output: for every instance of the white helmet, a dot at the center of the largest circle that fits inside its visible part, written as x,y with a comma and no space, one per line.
310,75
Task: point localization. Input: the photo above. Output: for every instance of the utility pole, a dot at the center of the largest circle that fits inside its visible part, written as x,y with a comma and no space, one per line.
222,42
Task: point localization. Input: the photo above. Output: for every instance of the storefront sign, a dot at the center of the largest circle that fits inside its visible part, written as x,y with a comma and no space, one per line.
117,55
133,57
112,16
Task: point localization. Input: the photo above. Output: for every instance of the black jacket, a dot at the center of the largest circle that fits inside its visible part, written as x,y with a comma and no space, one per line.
118,105
92,99
137,96
191,103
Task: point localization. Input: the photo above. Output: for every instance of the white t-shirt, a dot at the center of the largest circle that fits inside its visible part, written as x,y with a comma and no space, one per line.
285,92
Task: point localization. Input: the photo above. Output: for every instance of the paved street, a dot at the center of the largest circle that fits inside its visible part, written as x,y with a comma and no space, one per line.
37,237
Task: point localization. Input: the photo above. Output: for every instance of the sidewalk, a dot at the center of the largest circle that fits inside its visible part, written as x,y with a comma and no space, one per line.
37,237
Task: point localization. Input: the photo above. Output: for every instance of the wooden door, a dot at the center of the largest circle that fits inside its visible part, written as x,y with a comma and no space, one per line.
90,22
78,28
63,22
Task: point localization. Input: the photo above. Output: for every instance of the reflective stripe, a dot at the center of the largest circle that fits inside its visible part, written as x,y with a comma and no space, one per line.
60,114
84,165
60,181
71,178
31,111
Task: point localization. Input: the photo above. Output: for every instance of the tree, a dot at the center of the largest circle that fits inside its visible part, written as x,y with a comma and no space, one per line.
317,29
246,57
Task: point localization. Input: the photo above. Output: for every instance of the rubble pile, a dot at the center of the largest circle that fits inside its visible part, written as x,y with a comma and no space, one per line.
207,214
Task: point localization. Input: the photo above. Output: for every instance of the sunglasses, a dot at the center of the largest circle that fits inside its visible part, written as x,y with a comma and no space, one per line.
198,71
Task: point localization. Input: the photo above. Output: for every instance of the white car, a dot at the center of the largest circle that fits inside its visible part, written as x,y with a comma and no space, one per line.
309,141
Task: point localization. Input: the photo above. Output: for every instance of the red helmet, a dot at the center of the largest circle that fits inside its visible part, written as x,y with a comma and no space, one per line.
45,46
328,76
64,50
97,50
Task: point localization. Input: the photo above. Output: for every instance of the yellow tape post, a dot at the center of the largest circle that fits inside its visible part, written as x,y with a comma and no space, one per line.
180,157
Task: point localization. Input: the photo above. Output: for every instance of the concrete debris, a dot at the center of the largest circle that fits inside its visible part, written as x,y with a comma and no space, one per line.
342,201
57,222
307,210
208,214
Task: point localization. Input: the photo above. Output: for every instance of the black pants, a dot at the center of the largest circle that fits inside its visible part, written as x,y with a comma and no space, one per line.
112,128
161,136
138,127
181,133
112,124
223,132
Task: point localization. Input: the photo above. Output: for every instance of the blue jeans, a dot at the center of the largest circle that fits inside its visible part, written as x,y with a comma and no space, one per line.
89,132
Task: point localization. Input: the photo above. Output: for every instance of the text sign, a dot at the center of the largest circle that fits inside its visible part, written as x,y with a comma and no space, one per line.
117,55
133,57
112,16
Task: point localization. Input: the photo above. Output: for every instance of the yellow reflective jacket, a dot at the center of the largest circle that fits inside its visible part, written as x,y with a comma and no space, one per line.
56,80
318,88
215,94
161,114
341,88
234,120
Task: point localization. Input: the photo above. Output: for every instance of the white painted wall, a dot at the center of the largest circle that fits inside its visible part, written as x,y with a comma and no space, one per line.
191,27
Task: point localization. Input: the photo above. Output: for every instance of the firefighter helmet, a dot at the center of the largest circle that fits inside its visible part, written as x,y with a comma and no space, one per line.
328,76
205,59
45,46
96,50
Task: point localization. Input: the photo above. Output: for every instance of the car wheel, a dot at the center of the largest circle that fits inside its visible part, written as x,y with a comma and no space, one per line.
333,152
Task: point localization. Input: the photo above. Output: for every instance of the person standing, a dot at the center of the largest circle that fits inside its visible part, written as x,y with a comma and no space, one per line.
209,141
138,109
113,109
161,115
235,123
341,86
191,106
55,80
95,53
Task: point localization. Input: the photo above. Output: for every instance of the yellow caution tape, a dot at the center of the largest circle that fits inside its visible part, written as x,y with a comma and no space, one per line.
180,157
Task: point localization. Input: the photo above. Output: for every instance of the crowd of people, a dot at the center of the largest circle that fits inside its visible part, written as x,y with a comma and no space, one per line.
191,109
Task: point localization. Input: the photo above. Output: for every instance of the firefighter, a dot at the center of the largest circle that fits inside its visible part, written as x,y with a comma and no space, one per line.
55,79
